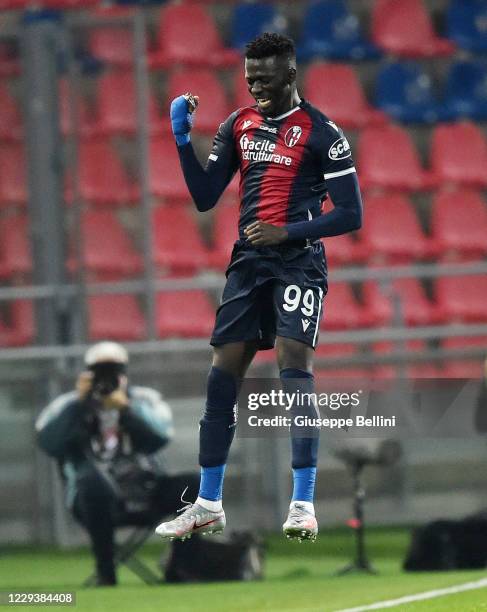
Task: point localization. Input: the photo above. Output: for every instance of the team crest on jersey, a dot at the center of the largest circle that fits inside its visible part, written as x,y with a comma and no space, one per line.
292,136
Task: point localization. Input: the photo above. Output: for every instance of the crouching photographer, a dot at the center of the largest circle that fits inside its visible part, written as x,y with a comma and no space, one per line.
105,436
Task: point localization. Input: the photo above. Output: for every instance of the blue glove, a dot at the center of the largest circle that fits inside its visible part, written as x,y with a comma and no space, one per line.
181,120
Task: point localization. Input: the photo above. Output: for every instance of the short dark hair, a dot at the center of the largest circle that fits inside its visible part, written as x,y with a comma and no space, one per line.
269,45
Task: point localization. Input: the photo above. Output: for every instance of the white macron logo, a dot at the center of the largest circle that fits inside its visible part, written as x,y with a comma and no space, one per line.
305,323
261,151
246,124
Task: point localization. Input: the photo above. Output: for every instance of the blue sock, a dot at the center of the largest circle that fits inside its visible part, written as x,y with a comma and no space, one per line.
211,483
304,484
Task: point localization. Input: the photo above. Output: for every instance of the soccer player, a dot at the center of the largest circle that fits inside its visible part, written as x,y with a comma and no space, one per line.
289,156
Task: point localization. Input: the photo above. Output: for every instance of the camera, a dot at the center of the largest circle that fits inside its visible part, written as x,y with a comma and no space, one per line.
106,378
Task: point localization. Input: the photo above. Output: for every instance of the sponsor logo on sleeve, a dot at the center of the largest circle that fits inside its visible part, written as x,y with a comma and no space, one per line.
292,136
340,149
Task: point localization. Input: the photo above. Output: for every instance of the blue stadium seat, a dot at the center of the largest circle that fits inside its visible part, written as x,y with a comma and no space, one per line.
330,30
405,91
467,24
250,20
466,90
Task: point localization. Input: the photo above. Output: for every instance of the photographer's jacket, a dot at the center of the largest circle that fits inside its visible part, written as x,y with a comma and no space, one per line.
75,432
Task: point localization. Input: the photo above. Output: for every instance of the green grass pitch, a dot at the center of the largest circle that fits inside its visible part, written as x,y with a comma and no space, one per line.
299,577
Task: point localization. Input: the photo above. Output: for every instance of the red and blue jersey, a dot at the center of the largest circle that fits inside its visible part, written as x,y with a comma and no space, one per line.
285,162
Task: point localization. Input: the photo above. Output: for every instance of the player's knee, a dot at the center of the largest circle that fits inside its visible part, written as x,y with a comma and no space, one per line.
292,354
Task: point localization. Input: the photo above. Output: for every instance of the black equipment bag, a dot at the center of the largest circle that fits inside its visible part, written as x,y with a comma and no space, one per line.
449,545
238,556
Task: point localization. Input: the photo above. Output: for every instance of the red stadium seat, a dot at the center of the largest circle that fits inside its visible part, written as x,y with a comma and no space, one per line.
10,119
459,224
9,61
21,330
415,307
188,35
185,314
225,234
241,95
392,231
117,107
117,317
387,159
343,250
464,367
418,370
336,90
462,298
177,243
459,154
113,45
14,246
214,108
341,310
108,250
165,175
102,177
13,176
404,28
337,350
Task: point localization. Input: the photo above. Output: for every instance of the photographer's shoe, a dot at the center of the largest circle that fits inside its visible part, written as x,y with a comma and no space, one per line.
194,519
300,524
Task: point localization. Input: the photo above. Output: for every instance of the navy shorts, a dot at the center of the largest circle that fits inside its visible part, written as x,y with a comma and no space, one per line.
272,291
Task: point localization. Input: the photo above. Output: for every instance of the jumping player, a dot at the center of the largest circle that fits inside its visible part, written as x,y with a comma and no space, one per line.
289,156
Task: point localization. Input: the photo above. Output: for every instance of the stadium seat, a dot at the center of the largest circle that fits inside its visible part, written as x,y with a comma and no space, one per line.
336,90
13,176
387,159
251,20
10,119
341,310
343,250
464,367
108,251
178,246
466,24
461,298
466,90
118,317
102,178
15,246
404,28
405,92
330,30
185,314
225,233
213,109
392,232
165,175
414,307
459,224
113,45
411,370
9,60
459,154
188,35
116,106
21,330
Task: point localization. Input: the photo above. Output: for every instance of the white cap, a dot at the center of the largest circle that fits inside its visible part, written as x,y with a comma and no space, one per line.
106,351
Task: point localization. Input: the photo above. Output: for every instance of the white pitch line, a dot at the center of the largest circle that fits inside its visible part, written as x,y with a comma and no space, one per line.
391,603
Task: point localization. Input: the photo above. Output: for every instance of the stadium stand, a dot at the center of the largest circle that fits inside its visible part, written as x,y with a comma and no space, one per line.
241,95
21,330
463,367
404,28
15,252
404,90
336,90
13,176
10,118
186,315
465,90
466,169
461,298
342,309
165,174
459,224
466,24
120,319
180,23
81,114
111,44
387,159
224,235
421,370
330,30
343,250
251,19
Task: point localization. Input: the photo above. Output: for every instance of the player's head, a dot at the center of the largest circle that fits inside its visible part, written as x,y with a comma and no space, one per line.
270,71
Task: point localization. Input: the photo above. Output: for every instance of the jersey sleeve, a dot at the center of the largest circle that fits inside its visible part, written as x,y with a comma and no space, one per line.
335,153
223,159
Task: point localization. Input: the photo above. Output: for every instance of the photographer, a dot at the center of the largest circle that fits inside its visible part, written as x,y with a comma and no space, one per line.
105,436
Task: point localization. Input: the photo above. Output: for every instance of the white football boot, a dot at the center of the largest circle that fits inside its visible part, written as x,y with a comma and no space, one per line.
300,524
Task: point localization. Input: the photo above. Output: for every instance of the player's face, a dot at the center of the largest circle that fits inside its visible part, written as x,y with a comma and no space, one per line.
271,82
